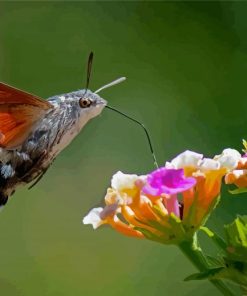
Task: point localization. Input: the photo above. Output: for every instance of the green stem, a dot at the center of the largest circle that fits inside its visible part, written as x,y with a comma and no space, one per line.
192,251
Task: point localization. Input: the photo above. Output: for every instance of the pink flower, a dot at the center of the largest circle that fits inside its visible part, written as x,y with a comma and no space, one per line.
167,181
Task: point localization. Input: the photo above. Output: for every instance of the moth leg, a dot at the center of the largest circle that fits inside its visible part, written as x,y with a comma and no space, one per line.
3,199
40,176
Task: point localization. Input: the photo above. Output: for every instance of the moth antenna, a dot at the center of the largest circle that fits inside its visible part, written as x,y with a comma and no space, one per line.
145,130
89,70
117,81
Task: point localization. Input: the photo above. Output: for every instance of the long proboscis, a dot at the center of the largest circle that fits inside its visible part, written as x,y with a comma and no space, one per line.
144,128
117,81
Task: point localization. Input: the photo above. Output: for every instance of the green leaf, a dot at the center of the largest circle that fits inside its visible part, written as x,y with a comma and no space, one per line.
215,261
208,232
235,271
245,145
238,190
215,237
208,274
236,234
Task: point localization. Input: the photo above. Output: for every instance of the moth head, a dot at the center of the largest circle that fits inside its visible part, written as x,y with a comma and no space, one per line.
89,103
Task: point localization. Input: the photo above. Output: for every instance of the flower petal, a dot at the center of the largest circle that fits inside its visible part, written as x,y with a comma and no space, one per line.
172,205
93,218
168,181
237,177
208,164
185,159
231,152
229,158
228,162
122,181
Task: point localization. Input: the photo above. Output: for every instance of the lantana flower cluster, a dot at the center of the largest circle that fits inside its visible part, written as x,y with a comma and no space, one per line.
172,202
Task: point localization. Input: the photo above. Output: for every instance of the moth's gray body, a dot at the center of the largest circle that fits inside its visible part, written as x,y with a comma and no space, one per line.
49,136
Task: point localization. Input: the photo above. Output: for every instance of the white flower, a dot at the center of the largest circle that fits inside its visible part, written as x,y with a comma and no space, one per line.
239,173
228,162
185,159
93,217
231,152
208,164
122,181
229,158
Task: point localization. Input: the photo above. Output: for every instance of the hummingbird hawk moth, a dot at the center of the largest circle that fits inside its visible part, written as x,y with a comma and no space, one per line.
34,131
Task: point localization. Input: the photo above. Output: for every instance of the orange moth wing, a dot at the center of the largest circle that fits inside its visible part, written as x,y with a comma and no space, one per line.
19,111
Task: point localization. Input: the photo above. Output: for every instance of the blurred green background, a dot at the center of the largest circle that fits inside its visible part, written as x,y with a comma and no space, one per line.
186,64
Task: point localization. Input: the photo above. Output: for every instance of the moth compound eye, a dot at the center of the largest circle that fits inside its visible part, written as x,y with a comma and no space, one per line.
85,103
